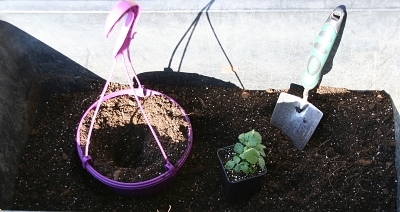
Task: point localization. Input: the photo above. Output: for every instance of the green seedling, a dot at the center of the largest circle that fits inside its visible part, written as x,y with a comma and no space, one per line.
249,153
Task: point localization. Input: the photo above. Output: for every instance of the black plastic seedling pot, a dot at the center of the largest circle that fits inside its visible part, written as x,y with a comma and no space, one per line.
242,189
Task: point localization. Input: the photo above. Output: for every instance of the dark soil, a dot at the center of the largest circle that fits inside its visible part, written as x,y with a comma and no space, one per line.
348,164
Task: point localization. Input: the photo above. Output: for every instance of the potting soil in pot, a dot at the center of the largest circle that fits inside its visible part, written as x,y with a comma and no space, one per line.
122,145
348,165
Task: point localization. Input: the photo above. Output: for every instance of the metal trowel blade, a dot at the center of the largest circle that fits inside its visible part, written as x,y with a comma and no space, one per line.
298,124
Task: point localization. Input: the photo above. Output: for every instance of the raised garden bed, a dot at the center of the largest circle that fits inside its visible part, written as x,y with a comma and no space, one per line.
347,165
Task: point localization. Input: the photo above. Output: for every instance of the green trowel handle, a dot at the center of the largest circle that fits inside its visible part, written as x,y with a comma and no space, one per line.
322,47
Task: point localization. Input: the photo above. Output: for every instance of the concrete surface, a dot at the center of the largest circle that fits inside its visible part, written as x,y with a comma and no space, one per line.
266,42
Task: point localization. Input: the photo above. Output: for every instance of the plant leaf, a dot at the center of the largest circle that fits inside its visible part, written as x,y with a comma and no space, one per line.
253,138
257,136
236,159
248,135
262,153
250,155
261,146
238,167
238,148
261,162
230,164
252,142
245,168
242,138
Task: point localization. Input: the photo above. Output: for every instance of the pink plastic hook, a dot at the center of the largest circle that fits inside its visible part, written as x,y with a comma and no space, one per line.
131,10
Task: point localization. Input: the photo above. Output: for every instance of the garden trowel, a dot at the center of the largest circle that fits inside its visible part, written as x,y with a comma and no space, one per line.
295,116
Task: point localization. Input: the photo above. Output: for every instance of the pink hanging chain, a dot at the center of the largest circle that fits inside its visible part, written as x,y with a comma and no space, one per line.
131,11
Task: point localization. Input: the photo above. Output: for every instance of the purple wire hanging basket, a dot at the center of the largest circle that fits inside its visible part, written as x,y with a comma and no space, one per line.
129,10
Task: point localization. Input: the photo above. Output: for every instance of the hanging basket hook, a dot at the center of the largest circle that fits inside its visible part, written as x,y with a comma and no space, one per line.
131,11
